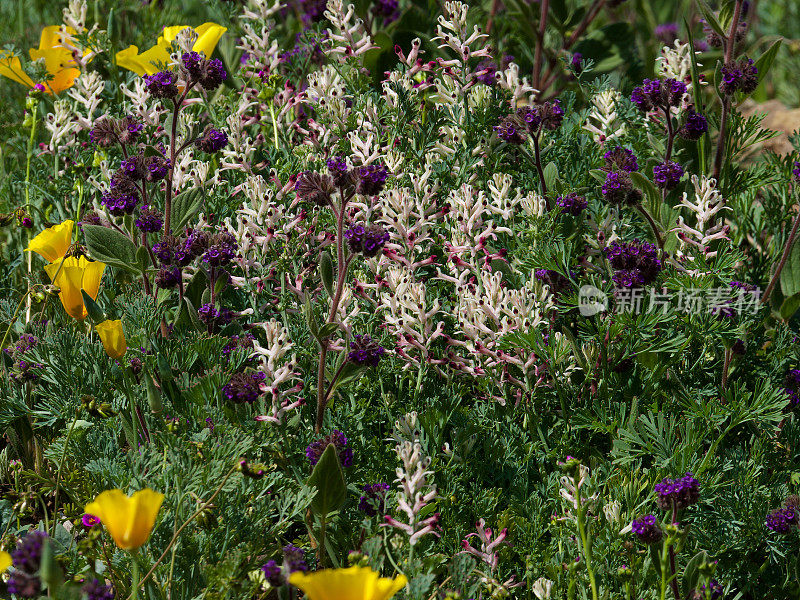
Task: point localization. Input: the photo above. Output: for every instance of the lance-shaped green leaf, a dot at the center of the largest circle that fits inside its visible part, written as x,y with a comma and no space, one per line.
184,206
327,479
96,313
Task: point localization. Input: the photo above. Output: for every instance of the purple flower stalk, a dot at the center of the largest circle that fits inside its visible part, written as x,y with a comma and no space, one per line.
572,204
621,159
694,127
244,387
212,141
374,499
162,85
368,240
679,493
371,179
658,93
667,175
647,530
635,263
782,521
365,351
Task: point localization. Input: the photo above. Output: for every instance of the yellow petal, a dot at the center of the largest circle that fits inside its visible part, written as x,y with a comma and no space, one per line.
5,561
209,35
129,521
11,67
353,583
145,63
93,274
76,273
51,36
170,33
53,242
113,337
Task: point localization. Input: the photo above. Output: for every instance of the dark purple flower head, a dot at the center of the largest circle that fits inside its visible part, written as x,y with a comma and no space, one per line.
193,63
547,115
658,93
680,493
133,167
553,279
129,129
162,85
510,131
365,351
791,385
316,188
213,74
120,200
28,554
168,278
316,449
150,220
374,499
572,204
647,530
740,76
635,263
667,175
294,559
371,179
576,61
714,591
782,520
694,126
796,172
157,168
618,189
244,387
213,318
104,133
667,32
196,242
169,251
273,573
368,240
23,585
96,590
212,141
222,249
389,10
338,170
621,159
238,342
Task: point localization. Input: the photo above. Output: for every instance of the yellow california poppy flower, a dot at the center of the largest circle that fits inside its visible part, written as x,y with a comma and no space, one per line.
146,63
353,583
53,242
113,337
76,273
57,59
5,561
129,519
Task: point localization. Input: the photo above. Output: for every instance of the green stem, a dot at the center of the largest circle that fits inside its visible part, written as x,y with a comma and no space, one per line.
134,577
664,570
587,548
61,466
274,123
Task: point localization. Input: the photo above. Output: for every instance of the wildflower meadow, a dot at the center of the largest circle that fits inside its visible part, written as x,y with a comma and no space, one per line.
412,299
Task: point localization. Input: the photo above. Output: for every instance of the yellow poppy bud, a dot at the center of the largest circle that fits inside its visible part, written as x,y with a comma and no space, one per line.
113,337
5,561
147,63
76,273
128,519
353,583
53,242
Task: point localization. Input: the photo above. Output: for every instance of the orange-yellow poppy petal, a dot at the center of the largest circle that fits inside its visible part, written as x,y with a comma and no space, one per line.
53,242
208,36
170,33
60,65
113,337
129,520
93,274
5,561
11,67
52,37
353,583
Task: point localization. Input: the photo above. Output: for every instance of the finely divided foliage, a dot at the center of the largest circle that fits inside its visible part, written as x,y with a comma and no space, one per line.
337,301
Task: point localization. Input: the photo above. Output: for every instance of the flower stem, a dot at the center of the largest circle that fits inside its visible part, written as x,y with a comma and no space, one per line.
61,467
784,257
585,541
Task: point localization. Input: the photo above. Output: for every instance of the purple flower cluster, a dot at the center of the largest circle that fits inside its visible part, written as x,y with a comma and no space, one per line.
621,159
208,73
371,179
222,249
108,131
791,385
244,387
213,318
23,370
510,130
636,264
365,351
678,493
658,93
368,240
24,581
694,126
162,85
713,590
212,141
782,520
514,128
576,62
572,204
238,342
667,32
374,499
96,590
150,220
618,189
388,10
294,559
315,450
168,278
740,76
647,530
667,175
